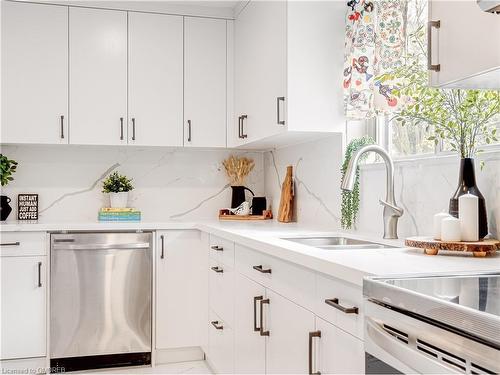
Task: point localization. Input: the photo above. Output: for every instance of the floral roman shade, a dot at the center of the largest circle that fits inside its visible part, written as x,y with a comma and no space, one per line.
374,45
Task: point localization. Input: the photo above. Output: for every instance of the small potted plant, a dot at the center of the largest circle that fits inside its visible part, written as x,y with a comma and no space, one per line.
7,168
117,186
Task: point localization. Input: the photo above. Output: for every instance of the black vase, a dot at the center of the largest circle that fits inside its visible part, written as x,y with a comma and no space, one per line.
238,196
5,208
467,184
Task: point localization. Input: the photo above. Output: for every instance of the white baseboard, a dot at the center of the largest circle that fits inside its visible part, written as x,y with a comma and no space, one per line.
193,353
24,366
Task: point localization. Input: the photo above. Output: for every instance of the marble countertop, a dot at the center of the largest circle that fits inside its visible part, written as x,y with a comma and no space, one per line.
267,236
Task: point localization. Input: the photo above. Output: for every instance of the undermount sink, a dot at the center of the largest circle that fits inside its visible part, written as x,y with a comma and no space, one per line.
336,243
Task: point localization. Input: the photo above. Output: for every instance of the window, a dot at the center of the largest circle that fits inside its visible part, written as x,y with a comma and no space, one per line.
409,139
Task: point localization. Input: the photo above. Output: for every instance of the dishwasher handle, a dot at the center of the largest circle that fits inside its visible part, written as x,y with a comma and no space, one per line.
100,246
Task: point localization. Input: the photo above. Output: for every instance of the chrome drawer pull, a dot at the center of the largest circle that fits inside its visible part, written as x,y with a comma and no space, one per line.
217,248
262,302
334,302
255,299
17,243
217,269
311,336
215,323
39,274
260,269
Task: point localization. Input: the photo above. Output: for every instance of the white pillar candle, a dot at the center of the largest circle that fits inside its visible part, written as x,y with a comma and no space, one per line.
468,213
450,229
438,218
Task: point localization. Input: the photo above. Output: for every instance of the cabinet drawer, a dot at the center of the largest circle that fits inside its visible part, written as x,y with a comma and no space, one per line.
291,281
22,243
220,345
340,295
221,290
222,250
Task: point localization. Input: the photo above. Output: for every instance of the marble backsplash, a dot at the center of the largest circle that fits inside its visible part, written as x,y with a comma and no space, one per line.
423,187
169,184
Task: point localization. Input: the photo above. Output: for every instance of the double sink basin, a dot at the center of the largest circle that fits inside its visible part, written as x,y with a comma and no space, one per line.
336,243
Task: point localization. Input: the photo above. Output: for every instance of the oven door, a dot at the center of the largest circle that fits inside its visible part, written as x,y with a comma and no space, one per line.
397,343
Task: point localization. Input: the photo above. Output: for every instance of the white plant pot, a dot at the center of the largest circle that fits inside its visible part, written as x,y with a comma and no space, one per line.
118,200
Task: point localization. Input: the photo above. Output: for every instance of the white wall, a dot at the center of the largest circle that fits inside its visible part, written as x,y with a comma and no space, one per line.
170,184
423,187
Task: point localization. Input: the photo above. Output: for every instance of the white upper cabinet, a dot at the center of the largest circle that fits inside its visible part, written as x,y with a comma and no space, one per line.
98,76
155,79
464,45
34,73
259,72
205,78
288,72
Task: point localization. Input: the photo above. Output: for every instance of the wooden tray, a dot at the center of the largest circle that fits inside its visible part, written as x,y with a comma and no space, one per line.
432,246
266,215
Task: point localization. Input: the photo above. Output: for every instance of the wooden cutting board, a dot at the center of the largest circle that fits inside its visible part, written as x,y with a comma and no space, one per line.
432,246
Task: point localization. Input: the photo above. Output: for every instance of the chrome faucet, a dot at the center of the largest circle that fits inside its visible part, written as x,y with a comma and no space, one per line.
391,211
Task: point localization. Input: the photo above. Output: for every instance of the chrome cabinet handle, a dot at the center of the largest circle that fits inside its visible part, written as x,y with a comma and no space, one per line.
239,126
278,116
255,300
215,323
121,128
430,25
242,134
189,130
162,239
17,243
217,248
217,269
62,126
133,128
334,302
39,274
261,270
261,329
311,336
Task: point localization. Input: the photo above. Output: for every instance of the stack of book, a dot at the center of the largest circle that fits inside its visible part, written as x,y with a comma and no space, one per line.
119,214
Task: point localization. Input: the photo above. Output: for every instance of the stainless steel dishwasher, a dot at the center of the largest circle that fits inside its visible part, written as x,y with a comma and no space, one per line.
100,311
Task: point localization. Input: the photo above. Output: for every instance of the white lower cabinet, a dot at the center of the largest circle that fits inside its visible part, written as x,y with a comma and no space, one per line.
220,344
249,344
181,293
337,352
23,310
289,326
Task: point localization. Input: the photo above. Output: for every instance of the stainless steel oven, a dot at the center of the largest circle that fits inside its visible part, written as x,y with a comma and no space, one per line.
432,325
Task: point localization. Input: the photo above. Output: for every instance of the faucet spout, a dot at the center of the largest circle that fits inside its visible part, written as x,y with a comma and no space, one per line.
392,212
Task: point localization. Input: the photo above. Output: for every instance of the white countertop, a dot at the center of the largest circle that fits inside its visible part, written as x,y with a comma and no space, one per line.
266,236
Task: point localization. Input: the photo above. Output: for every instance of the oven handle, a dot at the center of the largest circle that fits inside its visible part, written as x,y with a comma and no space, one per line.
123,246
414,360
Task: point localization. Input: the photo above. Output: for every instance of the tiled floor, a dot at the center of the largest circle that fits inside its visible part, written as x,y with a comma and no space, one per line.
196,367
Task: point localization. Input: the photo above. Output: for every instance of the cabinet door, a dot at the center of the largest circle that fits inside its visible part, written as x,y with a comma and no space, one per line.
338,351
23,318
289,325
204,82
465,33
220,345
260,70
180,321
98,76
155,79
250,346
34,73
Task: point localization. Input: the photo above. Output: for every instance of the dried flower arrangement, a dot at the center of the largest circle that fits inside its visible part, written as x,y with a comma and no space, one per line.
237,169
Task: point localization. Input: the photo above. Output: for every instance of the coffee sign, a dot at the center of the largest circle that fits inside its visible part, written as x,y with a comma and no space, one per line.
27,207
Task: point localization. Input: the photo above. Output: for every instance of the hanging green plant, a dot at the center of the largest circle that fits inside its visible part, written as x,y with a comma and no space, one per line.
350,199
7,169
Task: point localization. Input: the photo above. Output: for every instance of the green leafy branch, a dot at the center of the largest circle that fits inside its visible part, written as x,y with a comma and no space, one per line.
350,199
7,169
